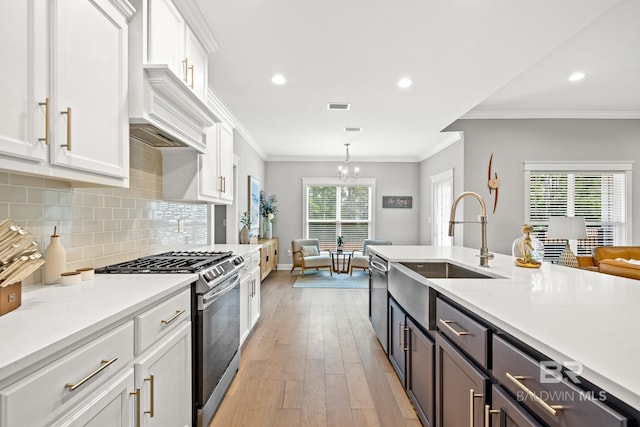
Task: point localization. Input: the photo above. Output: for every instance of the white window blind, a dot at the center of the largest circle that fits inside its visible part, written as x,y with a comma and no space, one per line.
335,210
601,197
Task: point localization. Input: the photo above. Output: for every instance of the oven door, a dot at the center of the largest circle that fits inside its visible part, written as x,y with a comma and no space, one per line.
217,337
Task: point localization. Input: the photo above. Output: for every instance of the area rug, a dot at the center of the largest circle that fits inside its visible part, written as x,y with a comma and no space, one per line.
322,279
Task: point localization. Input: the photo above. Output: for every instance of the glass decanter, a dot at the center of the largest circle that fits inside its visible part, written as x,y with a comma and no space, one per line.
527,251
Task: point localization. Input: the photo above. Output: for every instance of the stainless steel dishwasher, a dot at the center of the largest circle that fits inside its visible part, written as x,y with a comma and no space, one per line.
378,301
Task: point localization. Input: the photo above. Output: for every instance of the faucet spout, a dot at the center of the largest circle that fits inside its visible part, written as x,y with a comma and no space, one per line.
484,251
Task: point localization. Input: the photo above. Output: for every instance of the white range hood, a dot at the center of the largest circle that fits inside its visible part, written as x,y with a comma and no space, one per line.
164,112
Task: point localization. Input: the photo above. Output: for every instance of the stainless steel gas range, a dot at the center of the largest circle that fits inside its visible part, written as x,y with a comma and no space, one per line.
216,318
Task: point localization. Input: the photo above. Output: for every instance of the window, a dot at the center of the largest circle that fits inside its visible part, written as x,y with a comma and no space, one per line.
596,191
333,208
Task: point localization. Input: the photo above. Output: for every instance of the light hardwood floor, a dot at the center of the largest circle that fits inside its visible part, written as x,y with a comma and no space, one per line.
313,360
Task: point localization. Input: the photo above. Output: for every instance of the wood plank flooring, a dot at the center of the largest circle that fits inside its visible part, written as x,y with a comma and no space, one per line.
313,360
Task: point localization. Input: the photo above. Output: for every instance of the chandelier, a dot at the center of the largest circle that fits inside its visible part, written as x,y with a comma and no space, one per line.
344,171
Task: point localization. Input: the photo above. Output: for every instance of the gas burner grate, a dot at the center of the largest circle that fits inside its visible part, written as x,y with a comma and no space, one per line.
168,262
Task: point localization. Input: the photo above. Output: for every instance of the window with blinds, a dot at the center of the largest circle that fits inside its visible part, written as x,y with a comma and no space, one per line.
334,210
600,196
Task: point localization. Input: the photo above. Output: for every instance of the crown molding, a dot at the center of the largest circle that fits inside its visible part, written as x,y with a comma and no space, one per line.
550,114
196,21
450,139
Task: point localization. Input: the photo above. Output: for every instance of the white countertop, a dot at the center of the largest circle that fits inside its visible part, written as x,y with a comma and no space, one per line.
52,317
565,313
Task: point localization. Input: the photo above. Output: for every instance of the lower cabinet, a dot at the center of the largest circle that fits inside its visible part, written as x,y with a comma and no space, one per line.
109,407
268,257
163,381
411,353
461,388
249,296
505,411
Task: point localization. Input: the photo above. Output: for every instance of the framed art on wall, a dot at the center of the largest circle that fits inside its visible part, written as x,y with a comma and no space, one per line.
254,203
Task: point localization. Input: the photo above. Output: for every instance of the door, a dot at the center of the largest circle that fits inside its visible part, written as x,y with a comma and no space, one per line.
23,43
397,339
441,201
197,68
461,388
420,372
89,114
163,376
166,37
113,405
505,412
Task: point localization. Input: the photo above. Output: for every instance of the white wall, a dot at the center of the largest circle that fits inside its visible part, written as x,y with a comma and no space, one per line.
250,163
284,179
514,141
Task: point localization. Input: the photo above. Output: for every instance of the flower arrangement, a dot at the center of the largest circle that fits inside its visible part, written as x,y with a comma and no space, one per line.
268,207
245,219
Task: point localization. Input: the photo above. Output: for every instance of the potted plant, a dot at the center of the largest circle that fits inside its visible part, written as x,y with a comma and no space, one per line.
245,220
268,211
340,243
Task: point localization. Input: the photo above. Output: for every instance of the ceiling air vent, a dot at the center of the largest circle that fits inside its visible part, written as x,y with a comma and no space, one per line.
353,129
338,106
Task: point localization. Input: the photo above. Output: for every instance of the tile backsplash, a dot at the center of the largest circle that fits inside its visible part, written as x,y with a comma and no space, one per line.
103,225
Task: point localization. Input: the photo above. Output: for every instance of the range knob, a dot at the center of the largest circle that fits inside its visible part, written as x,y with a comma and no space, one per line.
237,260
209,275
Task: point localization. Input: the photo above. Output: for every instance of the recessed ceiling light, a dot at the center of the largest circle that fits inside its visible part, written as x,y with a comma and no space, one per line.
278,79
353,129
578,75
404,82
338,106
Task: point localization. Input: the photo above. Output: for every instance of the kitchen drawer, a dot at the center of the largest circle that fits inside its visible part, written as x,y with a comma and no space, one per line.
468,334
48,392
558,402
155,323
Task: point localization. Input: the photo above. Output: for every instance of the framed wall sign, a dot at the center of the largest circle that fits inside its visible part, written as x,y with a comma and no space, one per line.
254,202
397,202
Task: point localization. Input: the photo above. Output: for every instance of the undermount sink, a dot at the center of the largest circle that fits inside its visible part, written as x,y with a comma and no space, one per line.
444,270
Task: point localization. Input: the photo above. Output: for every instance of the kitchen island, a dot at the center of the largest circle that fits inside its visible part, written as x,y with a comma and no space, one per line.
565,314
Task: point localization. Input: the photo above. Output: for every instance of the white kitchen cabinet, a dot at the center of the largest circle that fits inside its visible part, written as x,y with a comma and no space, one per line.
23,44
204,177
114,405
67,114
249,295
171,41
163,375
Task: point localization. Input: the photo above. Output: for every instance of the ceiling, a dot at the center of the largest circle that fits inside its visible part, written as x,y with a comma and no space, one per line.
466,58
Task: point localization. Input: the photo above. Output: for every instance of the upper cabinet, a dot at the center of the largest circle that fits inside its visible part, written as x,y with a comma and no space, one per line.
168,58
205,178
65,94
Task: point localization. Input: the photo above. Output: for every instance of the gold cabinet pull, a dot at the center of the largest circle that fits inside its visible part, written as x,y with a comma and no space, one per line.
192,74
103,365
68,113
185,61
487,414
447,324
517,380
472,396
151,395
46,121
137,395
172,318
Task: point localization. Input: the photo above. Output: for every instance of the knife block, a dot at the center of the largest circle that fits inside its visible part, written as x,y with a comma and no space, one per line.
10,297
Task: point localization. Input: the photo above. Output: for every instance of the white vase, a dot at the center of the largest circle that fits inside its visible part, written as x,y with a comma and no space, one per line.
268,232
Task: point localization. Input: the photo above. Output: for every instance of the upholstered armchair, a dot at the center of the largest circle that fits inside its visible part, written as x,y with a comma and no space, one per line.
360,259
306,254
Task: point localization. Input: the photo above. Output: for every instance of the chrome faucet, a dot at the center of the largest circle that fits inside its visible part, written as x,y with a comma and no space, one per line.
484,252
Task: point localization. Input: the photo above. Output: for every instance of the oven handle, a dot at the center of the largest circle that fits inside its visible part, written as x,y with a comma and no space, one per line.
208,299
378,266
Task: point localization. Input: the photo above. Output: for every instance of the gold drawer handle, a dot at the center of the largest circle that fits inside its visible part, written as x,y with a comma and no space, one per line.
472,396
151,395
517,380
172,318
458,333
45,104
137,395
103,366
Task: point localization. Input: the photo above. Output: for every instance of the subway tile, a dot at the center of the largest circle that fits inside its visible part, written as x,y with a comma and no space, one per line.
56,183
120,213
111,225
4,210
4,178
103,213
92,226
103,238
80,213
111,202
26,180
13,194
23,212
89,252
53,212
95,200
80,239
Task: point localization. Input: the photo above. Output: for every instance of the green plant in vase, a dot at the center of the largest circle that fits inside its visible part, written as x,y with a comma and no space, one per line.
340,242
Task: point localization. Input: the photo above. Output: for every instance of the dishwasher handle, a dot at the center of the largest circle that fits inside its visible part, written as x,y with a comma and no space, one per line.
378,266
